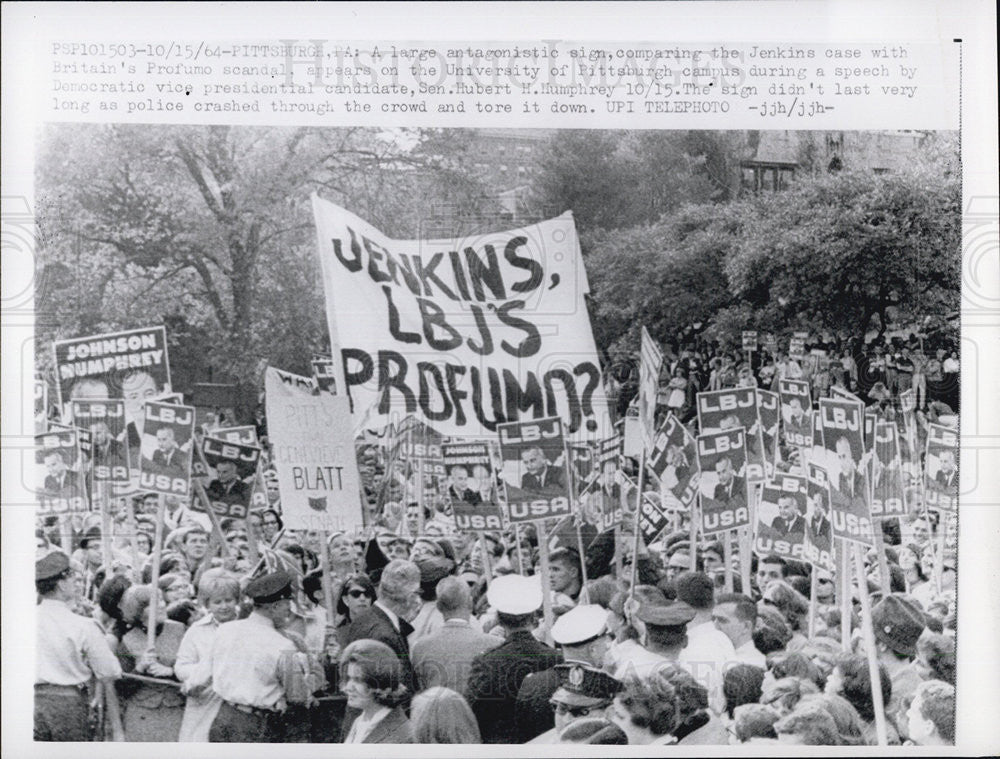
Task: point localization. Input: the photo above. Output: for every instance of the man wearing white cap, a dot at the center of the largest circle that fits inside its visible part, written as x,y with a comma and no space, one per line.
582,633
497,675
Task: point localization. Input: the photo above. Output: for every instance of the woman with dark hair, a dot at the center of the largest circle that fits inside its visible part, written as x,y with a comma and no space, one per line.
845,717
850,680
109,599
810,725
697,725
371,676
784,694
936,657
270,525
742,684
794,607
357,593
794,664
150,711
646,710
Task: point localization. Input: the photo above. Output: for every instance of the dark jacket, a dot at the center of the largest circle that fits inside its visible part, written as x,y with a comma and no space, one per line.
496,678
533,714
375,624
395,728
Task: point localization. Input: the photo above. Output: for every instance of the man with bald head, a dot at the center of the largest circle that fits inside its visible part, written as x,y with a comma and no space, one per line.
445,656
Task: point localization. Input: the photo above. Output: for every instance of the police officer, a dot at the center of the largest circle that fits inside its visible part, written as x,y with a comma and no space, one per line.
247,664
584,692
582,634
71,650
497,674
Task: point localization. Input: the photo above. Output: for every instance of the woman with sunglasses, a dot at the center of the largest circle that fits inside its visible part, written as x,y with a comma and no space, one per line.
356,595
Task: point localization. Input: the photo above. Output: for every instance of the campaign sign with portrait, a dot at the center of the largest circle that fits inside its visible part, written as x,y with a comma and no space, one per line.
534,469
796,412
819,530
941,472
888,492
601,492
673,459
165,460
132,365
846,464
729,409
105,422
723,482
471,488
235,465
781,518
62,487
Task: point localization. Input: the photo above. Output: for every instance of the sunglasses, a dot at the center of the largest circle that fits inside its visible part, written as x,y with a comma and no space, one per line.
574,711
358,593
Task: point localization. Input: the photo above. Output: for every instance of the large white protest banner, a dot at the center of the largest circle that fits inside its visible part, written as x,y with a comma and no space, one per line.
313,446
464,333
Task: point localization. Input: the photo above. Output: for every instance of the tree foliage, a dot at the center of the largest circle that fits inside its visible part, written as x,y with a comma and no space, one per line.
210,228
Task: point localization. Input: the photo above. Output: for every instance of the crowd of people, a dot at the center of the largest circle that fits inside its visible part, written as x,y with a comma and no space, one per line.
409,630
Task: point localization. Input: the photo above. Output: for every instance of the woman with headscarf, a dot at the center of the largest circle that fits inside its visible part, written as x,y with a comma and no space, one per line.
151,711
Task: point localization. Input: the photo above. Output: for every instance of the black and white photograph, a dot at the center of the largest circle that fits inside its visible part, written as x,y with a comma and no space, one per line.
333,349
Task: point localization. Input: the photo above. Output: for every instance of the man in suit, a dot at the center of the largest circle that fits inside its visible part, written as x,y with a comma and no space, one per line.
498,674
61,482
444,658
582,634
818,522
459,489
108,452
168,458
227,487
540,476
730,488
388,620
789,521
947,475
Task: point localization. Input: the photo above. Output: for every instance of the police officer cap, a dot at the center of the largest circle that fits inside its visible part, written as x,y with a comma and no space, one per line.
51,566
583,685
273,586
580,625
515,594
673,614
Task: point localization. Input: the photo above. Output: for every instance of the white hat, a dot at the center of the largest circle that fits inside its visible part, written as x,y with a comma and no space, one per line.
580,624
514,594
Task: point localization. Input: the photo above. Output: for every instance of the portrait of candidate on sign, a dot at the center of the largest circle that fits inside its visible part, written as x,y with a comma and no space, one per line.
674,460
720,410
165,462
819,531
534,469
796,412
781,518
235,466
941,473
109,452
888,492
722,486
132,365
846,463
471,488
61,486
